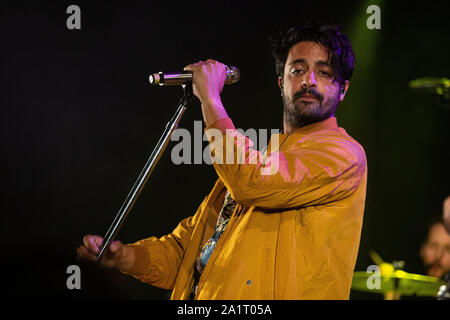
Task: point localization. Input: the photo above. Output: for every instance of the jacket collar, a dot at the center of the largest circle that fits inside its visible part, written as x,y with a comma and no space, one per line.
327,124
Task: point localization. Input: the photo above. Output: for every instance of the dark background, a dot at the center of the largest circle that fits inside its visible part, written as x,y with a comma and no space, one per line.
79,119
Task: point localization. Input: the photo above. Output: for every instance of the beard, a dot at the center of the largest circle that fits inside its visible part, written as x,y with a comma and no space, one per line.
435,270
299,113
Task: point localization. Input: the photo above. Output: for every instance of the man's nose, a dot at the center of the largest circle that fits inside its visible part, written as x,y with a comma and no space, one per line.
310,79
438,254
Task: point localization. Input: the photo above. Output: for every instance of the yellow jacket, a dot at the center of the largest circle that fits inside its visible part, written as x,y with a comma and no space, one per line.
293,234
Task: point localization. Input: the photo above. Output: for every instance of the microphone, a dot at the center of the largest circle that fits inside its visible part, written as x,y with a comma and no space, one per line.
173,79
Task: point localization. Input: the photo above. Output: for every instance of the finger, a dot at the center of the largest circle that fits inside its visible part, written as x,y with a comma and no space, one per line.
90,242
93,245
188,68
191,67
84,255
86,238
211,63
115,246
98,241
194,66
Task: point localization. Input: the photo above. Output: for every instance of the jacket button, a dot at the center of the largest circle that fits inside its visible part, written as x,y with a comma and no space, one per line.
249,282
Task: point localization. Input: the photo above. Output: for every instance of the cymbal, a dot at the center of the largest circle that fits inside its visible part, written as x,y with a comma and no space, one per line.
396,281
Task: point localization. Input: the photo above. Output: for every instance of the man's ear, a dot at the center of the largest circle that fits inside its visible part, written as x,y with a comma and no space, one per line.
344,89
280,83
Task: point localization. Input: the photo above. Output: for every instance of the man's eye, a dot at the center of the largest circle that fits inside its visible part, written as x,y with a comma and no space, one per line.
324,73
297,71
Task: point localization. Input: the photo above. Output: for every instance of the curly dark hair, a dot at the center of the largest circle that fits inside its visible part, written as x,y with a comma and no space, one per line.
340,52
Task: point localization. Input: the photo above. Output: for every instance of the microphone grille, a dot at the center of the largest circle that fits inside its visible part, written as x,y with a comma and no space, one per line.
232,75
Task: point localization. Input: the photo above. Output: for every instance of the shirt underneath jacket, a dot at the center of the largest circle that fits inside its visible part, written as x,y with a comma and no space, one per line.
294,232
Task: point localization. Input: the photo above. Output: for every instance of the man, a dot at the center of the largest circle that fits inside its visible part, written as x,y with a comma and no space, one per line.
435,251
292,233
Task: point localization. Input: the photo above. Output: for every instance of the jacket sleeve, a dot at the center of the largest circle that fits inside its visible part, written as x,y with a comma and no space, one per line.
315,171
157,260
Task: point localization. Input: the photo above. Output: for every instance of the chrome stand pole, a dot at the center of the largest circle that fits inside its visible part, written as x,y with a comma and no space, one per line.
146,171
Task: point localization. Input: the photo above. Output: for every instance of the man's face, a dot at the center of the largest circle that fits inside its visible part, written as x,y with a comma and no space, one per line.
310,93
435,252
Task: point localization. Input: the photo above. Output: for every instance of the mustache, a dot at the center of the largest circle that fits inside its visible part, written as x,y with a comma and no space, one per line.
310,91
433,264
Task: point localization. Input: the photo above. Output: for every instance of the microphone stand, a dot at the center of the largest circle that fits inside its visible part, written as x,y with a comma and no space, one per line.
147,170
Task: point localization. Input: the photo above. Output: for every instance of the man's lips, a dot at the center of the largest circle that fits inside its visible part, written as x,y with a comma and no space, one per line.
308,97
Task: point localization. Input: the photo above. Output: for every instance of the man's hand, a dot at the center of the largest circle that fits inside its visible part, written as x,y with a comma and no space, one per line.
116,255
207,84
208,79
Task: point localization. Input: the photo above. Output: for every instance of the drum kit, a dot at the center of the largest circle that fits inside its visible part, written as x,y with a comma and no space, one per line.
389,280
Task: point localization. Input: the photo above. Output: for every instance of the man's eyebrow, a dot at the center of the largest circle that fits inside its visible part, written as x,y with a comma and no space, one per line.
322,63
297,61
